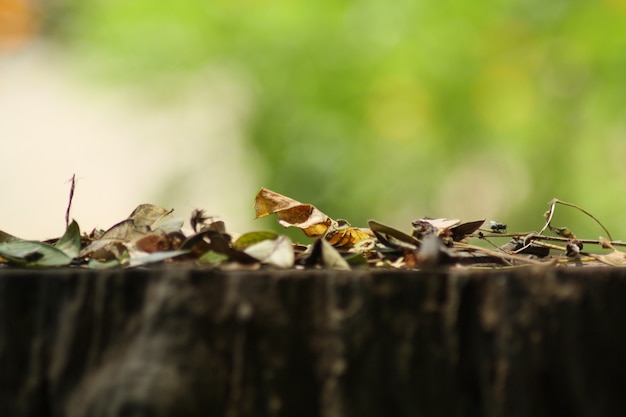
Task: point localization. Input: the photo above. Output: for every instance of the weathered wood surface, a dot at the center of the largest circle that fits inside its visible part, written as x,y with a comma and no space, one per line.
525,342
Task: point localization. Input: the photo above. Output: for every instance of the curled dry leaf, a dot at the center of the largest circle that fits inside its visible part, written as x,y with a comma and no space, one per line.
343,235
290,212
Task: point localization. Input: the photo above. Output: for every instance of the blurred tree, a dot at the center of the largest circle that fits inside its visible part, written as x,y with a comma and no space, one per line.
395,111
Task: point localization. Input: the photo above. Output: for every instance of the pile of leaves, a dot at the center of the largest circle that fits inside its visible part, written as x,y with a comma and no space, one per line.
152,235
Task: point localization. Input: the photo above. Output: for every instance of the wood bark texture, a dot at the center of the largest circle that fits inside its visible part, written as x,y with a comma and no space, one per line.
173,342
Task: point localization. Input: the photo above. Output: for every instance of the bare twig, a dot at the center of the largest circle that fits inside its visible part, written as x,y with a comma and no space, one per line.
69,204
550,214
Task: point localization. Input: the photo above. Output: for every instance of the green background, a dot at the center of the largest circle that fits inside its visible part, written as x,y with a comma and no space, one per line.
396,110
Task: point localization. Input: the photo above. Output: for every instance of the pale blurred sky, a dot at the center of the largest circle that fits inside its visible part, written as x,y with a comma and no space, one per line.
123,148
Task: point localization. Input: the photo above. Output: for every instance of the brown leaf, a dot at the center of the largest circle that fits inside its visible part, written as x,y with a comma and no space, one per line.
104,250
290,212
460,231
348,237
393,238
615,258
153,243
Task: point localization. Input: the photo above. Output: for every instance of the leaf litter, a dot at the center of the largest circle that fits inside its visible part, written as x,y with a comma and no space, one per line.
152,235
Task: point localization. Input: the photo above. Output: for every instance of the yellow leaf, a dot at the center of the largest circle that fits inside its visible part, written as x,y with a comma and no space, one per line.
348,237
290,212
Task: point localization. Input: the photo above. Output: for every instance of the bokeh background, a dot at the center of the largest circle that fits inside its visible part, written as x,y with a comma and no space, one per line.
367,109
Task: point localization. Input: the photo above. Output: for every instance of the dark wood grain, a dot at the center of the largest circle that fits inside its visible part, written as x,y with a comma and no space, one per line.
175,342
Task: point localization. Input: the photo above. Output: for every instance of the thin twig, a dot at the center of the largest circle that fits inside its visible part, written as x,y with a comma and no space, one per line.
588,214
556,201
502,255
69,204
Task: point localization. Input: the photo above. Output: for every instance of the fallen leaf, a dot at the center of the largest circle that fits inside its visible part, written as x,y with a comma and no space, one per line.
615,258
441,223
31,253
346,236
448,229
290,212
114,263
144,219
104,250
393,238
324,255
148,214
69,243
155,257
124,230
212,258
210,240
252,238
461,231
153,243
167,225
277,252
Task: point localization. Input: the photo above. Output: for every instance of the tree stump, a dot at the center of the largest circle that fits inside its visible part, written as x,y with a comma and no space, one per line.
183,342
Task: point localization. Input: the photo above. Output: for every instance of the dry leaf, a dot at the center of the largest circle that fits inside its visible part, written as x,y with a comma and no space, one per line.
461,231
615,258
144,219
153,243
104,250
346,236
125,230
393,238
290,212
326,257
148,214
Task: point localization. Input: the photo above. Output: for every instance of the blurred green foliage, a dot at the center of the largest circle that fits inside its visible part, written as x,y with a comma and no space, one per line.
372,109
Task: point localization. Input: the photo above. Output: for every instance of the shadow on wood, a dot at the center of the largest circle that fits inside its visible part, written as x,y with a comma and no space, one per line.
172,342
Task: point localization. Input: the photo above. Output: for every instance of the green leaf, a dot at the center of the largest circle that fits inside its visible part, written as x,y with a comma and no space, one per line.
95,264
30,253
252,238
213,258
69,243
